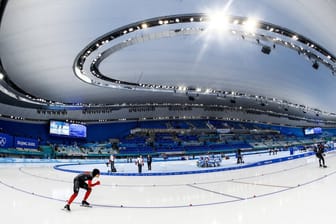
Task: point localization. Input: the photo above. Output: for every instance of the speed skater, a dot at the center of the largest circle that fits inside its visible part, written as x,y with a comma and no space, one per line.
80,182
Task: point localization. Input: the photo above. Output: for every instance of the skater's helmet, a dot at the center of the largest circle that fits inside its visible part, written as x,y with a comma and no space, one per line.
95,172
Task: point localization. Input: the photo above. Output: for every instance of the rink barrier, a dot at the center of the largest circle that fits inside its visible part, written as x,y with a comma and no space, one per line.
174,158
61,167
99,161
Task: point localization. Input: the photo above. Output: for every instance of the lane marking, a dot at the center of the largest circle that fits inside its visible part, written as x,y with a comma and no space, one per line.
257,184
215,192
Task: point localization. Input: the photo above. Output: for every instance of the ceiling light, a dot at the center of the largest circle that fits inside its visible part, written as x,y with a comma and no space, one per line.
144,26
218,21
182,88
251,25
1,75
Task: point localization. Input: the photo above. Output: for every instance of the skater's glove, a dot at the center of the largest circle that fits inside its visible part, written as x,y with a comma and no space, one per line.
92,185
97,183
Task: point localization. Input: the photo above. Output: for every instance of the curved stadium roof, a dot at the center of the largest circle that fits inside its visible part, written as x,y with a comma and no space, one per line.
169,52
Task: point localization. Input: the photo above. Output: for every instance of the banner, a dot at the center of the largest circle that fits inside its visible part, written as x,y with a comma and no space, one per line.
6,141
27,143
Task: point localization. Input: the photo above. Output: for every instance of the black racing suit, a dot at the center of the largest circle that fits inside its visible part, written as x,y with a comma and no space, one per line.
79,181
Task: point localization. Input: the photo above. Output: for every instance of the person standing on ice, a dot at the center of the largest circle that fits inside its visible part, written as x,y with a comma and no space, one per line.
80,182
139,162
319,152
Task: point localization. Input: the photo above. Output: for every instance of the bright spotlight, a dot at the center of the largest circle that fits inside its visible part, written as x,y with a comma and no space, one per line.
295,37
1,75
218,21
251,25
182,88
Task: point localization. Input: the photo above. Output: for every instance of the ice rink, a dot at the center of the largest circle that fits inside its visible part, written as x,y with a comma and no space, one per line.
291,191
